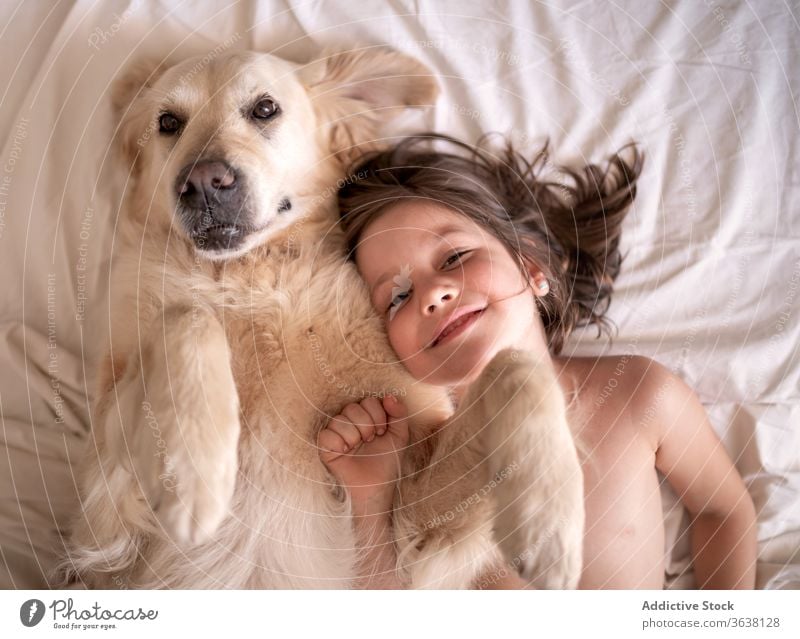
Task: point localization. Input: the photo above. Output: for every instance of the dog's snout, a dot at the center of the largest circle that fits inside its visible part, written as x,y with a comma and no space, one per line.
212,204
210,175
205,181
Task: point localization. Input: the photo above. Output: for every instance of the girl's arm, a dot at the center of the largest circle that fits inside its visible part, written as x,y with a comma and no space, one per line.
377,556
362,448
691,456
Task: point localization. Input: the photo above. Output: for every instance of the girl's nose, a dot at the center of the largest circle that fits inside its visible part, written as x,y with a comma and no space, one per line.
437,297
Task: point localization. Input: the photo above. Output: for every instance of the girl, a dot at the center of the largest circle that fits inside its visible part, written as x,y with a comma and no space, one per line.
466,253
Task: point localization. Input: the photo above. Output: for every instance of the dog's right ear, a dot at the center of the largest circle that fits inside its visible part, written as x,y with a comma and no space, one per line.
355,92
135,124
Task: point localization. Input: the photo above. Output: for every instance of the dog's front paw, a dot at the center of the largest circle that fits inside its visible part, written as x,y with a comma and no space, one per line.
534,470
513,375
179,437
539,528
195,495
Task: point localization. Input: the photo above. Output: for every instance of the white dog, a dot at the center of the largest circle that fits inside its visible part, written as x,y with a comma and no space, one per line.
238,329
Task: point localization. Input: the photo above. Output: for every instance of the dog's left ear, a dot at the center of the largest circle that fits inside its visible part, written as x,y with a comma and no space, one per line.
354,92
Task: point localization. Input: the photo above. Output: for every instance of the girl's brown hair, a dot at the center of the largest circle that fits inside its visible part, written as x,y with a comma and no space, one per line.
567,224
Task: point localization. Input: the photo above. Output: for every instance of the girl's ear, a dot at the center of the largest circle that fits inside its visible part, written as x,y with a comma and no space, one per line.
537,278
541,285
355,92
135,123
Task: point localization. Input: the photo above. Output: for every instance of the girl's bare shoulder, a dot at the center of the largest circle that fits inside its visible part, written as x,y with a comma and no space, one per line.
610,371
606,392
588,374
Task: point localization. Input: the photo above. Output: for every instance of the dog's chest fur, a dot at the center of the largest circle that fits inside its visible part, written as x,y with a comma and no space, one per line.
304,341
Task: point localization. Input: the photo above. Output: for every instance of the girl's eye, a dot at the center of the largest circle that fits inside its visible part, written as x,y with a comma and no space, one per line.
455,256
398,299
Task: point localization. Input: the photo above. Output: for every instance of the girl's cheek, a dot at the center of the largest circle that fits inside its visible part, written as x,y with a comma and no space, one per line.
497,280
397,336
484,270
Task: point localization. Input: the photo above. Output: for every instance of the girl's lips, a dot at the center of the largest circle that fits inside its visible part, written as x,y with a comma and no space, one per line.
465,322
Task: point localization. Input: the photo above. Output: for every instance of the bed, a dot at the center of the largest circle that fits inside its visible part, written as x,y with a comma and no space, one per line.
710,284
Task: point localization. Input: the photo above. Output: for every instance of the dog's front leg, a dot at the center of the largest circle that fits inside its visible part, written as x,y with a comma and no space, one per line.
533,465
176,422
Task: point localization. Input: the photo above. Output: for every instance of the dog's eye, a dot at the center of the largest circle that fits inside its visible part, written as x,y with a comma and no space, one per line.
168,123
265,108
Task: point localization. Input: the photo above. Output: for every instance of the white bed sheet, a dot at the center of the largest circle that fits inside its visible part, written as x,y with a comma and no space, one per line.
709,286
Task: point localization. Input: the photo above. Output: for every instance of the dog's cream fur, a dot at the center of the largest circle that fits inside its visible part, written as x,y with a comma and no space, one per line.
222,368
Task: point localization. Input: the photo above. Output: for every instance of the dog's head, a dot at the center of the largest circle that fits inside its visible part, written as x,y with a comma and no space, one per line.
227,145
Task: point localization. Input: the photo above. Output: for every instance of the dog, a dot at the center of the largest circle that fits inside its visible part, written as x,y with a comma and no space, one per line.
238,328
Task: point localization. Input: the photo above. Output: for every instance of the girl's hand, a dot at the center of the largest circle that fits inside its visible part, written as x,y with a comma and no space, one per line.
362,447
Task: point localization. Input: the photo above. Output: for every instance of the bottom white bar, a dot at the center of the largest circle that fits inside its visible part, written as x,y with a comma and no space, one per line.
401,614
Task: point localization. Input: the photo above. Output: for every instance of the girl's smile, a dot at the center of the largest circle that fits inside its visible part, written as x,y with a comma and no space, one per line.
456,324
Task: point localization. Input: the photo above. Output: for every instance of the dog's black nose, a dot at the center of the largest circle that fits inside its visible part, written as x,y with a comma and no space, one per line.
206,182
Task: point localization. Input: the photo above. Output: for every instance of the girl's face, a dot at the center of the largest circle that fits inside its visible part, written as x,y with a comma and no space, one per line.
426,266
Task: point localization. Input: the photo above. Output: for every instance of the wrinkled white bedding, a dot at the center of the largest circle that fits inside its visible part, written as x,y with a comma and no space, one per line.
709,286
